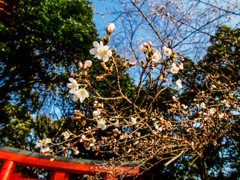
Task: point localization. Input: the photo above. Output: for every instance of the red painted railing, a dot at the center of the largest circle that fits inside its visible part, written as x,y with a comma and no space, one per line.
61,167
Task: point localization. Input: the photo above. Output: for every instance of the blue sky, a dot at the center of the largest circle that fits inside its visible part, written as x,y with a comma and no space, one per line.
101,7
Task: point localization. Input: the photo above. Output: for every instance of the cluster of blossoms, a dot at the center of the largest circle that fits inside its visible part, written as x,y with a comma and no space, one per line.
132,127
81,93
102,120
155,58
44,143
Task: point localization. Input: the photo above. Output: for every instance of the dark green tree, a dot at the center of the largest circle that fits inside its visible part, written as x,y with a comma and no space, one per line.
40,45
221,61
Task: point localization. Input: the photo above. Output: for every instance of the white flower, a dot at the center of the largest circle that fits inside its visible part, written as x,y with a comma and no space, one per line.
136,142
116,124
225,102
96,113
110,28
38,145
133,120
94,51
66,135
174,98
212,111
81,94
45,150
47,140
80,65
167,51
184,106
156,56
213,87
73,86
87,64
221,115
144,47
174,69
83,137
179,83
203,105
76,152
180,65
104,53
101,124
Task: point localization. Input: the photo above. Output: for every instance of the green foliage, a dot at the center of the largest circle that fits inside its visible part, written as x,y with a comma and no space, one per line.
222,60
17,131
41,42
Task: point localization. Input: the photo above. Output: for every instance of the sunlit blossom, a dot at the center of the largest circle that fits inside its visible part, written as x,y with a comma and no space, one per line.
212,111
203,105
133,120
174,98
38,145
94,51
144,47
80,94
45,150
104,53
73,86
83,137
174,69
167,51
156,56
47,140
101,124
180,65
213,87
66,135
110,28
179,83
184,106
116,124
87,64
76,152
96,113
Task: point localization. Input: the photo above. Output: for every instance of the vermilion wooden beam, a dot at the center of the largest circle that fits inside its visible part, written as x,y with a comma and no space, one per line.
61,168
60,165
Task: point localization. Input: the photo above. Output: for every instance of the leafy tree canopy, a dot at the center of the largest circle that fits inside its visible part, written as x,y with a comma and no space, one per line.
40,43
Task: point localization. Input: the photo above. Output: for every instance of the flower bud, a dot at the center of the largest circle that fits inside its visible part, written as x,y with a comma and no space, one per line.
110,28
142,63
165,80
77,112
104,66
181,59
80,65
87,64
99,78
150,44
144,47
174,51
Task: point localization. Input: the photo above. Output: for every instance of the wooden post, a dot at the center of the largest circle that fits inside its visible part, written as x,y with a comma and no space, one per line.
59,175
7,170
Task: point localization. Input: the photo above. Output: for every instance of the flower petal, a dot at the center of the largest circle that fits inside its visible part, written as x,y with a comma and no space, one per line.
75,98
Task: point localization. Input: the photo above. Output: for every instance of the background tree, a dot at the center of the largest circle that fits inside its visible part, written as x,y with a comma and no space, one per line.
41,43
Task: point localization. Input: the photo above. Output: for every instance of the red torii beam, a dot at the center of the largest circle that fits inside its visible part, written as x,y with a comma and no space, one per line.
61,166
